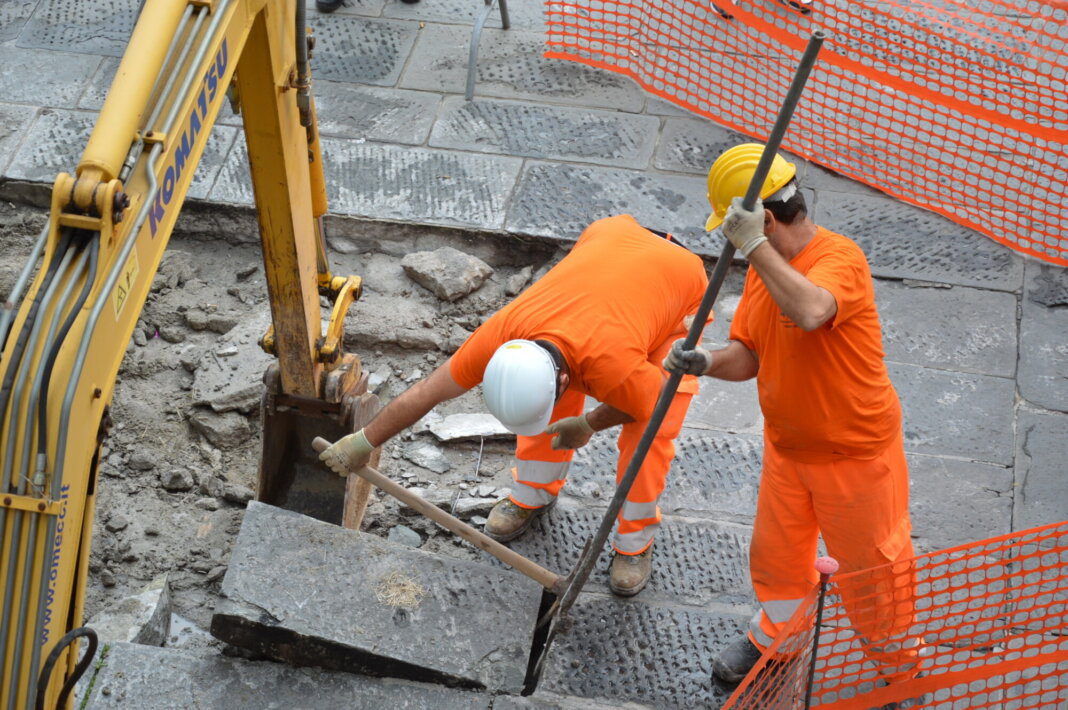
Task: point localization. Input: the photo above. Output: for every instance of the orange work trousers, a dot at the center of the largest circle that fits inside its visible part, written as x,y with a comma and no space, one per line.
541,471
861,509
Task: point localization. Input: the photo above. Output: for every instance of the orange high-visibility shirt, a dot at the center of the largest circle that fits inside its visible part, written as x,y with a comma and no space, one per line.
823,392
616,299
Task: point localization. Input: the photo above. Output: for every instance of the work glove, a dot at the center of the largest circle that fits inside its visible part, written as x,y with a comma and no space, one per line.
743,227
687,362
571,433
348,454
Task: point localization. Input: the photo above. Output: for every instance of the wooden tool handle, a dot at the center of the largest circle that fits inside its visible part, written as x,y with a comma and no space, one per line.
513,559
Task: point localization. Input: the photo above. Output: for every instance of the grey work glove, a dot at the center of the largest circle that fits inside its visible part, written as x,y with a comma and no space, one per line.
348,454
687,362
571,432
743,227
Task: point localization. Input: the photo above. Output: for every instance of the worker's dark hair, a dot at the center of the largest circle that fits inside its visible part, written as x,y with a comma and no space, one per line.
791,210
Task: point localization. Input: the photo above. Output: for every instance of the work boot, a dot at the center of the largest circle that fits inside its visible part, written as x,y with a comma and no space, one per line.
630,573
507,521
328,5
734,662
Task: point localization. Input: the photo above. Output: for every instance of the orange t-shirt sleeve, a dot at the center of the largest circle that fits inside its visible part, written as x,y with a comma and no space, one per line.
468,364
740,323
844,272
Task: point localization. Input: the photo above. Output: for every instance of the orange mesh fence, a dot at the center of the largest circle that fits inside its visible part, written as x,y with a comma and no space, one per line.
958,106
976,626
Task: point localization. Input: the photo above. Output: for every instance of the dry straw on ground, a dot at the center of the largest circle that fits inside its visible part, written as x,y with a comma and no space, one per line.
398,590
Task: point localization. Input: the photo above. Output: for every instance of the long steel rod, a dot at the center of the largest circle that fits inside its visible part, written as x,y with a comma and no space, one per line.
667,394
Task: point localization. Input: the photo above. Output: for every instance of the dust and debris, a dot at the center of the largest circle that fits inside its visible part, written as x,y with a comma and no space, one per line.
182,458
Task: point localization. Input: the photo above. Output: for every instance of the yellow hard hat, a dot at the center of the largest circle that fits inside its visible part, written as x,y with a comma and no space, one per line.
730,175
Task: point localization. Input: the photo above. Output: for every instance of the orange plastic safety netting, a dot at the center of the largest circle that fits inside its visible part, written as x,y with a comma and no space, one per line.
976,626
959,106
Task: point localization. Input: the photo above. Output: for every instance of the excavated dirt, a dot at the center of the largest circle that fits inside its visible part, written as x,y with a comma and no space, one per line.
176,475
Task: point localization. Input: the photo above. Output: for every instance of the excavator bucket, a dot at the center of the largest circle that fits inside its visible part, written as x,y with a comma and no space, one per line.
291,475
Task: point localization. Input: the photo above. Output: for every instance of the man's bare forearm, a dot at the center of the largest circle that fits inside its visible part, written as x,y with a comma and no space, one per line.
412,404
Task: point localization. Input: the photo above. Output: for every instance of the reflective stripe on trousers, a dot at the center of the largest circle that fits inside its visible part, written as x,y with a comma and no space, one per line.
860,507
540,471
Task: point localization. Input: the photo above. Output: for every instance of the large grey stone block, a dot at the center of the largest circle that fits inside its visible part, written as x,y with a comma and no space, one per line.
511,65
652,654
87,26
543,700
956,502
902,241
714,475
359,50
550,132
559,200
694,562
957,328
14,121
374,607
1042,449
134,677
956,414
1043,375
56,140
392,183
692,145
67,76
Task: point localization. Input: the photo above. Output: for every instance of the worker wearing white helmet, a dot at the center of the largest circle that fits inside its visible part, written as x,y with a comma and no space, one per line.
599,323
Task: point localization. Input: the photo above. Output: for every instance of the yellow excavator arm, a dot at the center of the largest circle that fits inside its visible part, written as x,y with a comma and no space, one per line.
65,328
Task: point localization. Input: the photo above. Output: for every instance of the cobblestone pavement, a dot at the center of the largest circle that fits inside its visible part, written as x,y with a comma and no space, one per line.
975,334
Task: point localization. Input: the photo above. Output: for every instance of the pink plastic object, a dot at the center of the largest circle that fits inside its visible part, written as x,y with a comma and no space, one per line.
826,565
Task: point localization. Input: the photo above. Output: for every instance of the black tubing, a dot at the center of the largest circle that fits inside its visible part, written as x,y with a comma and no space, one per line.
79,670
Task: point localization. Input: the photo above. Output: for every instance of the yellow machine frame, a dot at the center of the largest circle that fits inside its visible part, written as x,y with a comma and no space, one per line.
109,225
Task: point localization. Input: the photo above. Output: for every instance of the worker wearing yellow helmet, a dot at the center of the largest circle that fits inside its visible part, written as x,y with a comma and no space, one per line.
807,329
598,324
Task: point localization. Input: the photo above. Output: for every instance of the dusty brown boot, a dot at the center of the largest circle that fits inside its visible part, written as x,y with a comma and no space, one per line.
630,573
507,521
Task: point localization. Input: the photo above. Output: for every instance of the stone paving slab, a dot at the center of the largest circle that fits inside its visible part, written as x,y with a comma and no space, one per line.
1043,374
653,654
559,200
56,140
1042,449
511,66
958,328
376,607
547,132
902,241
135,676
13,16
953,502
956,414
68,75
366,113
551,701
522,14
86,26
14,122
360,50
693,562
714,475
389,182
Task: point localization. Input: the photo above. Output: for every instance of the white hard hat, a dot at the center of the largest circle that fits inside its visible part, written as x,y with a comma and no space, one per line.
520,387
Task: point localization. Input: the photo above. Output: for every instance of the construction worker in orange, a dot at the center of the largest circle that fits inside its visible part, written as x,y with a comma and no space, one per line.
598,324
834,464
